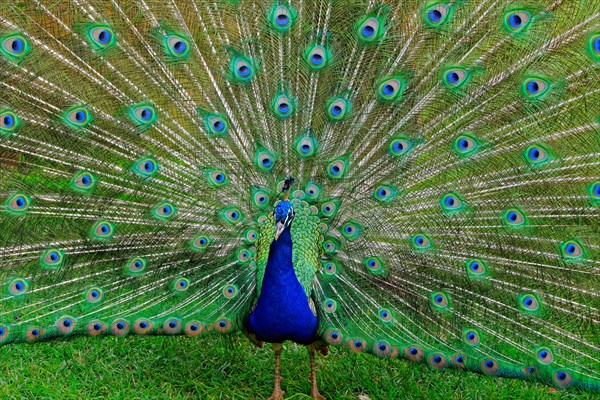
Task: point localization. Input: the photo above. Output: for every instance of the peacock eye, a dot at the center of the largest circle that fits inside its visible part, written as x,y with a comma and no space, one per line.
283,106
476,268
306,147
136,266
181,284
529,303
216,178
517,20
330,268
264,160
102,230
177,46
316,57
437,361
384,193
18,203
260,198
312,191
200,242
544,355
143,115
455,77
8,122
145,167
52,258
330,246
465,145
471,337
489,366
329,305
230,291
94,295
562,378
336,169
421,242
385,315
164,211
440,300
414,353
437,14
194,328
282,17
390,89
242,69
215,124
400,146
374,265
596,44
101,37
18,287
595,190
83,182
338,108
232,215
452,202
571,250
78,117
351,230
370,30
535,87
15,46
514,217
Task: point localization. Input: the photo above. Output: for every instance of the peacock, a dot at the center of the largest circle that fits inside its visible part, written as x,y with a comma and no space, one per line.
412,179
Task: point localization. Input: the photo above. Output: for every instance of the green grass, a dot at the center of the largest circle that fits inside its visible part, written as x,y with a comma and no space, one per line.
228,367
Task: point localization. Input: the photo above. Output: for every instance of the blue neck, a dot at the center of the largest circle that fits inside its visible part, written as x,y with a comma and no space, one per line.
282,311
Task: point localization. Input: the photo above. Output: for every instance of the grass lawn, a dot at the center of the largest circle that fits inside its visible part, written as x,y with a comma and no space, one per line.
228,367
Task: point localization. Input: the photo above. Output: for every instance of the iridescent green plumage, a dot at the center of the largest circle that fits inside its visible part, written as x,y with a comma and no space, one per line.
447,191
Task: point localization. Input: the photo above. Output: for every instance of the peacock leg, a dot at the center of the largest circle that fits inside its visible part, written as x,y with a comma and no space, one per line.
277,392
314,391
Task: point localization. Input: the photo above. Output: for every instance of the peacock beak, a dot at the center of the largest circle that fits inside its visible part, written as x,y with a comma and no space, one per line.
279,228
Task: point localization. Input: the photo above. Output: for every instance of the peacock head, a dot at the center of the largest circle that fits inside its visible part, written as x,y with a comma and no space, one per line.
284,212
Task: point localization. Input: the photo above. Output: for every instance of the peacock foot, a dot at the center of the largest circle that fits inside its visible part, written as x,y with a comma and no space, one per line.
277,394
316,395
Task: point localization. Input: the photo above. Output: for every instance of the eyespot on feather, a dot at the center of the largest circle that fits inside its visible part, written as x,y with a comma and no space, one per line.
143,326
437,361
230,291
489,366
194,328
333,336
18,204
96,328
9,122
222,325
52,258
14,46
119,327
101,37
436,14
94,295
172,326
414,353
66,324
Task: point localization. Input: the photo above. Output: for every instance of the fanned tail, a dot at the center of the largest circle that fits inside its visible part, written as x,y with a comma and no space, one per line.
450,151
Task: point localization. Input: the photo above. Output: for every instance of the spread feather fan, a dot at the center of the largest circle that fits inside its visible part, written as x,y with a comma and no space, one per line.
413,179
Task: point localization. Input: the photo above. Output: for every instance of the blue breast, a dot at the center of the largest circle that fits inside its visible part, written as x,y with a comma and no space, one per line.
282,311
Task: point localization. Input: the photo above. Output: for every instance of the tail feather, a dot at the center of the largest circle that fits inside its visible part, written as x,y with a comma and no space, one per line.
450,151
